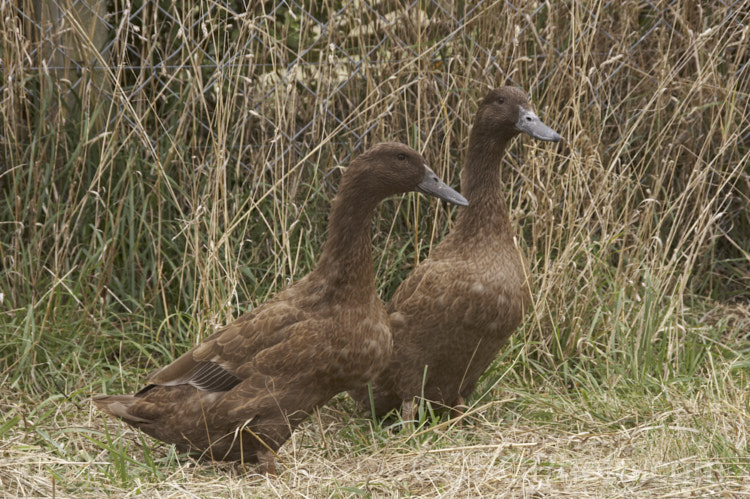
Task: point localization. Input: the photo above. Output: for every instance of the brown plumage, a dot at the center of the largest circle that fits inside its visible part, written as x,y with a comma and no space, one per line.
459,306
241,393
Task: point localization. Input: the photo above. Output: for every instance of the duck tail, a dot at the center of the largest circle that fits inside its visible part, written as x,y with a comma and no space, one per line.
118,406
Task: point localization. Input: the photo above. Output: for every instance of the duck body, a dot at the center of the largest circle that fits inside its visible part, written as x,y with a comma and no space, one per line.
240,394
265,372
453,313
482,308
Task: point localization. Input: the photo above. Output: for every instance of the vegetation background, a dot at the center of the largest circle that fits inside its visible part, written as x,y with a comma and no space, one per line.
168,165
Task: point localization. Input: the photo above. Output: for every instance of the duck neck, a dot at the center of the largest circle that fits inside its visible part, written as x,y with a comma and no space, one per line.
346,262
487,213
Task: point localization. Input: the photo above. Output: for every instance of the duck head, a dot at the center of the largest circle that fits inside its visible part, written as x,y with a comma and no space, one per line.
506,111
392,168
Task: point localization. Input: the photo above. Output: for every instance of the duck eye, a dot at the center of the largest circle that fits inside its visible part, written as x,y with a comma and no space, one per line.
500,100
401,156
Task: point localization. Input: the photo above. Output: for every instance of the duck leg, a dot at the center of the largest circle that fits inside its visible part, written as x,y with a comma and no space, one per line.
408,411
458,409
268,461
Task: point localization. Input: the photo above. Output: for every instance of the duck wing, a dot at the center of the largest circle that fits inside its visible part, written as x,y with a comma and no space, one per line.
216,364
429,286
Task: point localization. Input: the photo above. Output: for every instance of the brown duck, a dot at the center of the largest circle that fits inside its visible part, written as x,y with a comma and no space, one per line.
241,393
452,314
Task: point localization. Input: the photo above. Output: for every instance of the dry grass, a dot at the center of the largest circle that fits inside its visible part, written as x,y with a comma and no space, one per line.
182,175
667,456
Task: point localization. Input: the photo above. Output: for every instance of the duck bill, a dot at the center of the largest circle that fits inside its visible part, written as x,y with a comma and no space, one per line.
433,186
529,122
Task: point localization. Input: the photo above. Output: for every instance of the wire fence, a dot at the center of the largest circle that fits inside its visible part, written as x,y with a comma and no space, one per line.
194,103
141,56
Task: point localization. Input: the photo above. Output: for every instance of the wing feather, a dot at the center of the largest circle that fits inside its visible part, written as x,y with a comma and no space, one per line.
211,377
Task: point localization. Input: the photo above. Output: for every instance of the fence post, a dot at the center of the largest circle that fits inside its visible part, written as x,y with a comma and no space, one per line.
71,35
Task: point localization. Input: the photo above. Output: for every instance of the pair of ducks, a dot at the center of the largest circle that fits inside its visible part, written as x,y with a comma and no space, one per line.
241,393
